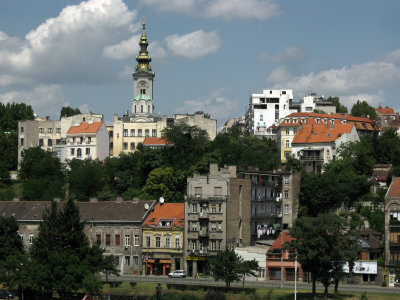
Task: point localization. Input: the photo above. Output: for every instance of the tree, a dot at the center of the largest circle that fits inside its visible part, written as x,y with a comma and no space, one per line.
322,244
65,260
228,266
42,175
67,111
248,267
86,178
363,109
340,109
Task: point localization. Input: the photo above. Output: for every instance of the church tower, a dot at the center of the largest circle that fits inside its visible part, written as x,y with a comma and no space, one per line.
143,77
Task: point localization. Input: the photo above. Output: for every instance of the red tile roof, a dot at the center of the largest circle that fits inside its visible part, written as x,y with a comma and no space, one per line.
155,141
173,212
321,133
283,237
347,117
394,189
385,110
85,127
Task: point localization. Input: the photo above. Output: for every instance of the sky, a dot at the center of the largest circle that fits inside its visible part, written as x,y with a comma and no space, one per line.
207,55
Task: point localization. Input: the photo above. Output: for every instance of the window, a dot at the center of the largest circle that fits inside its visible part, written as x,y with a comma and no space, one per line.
49,130
116,261
286,209
141,108
125,132
21,235
213,208
148,241
108,239
287,131
286,194
167,241
213,226
143,91
31,238
98,239
136,260
87,151
177,242
146,133
41,142
58,141
111,133
127,260
194,226
22,129
287,143
294,131
79,152
220,207
197,191
217,191
139,132
132,146
193,245
72,151
158,241
22,141
132,132
194,208
127,239
286,180
117,240
219,226
154,133
89,140
58,130
136,240
213,245
125,146
41,130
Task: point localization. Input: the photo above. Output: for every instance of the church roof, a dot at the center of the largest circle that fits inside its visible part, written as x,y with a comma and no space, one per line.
143,97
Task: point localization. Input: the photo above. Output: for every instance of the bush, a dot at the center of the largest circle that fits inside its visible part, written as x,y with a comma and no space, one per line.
215,295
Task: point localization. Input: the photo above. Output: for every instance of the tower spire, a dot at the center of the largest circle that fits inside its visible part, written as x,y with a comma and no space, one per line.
143,59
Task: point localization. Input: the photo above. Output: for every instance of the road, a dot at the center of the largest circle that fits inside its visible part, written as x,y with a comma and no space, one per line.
256,284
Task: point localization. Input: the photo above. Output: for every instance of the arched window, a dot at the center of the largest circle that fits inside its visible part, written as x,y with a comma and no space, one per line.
177,241
79,152
141,108
135,108
148,108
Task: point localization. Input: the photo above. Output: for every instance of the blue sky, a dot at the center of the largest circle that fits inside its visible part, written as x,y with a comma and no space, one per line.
207,55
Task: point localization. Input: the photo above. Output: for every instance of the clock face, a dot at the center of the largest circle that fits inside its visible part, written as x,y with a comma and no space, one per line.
142,84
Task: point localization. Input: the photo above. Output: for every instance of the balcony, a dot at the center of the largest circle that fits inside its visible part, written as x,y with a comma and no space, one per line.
193,234
203,215
311,158
203,233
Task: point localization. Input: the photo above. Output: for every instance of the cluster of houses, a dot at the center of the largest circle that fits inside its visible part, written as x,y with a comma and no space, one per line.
249,210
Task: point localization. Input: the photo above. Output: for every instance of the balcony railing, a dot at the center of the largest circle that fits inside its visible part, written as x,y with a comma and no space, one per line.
312,158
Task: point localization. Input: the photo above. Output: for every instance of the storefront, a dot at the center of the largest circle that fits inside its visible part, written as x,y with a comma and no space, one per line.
157,266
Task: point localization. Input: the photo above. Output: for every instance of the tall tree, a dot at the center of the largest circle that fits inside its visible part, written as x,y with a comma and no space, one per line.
363,109
65,260
42,175
67,111
340,109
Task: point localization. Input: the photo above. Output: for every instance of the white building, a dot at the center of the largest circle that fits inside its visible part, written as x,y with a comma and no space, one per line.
87,140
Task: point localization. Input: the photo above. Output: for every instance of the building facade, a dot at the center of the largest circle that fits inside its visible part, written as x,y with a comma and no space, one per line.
217,215
163,239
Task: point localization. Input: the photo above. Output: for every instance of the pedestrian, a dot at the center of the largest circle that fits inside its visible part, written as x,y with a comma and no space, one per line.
158,291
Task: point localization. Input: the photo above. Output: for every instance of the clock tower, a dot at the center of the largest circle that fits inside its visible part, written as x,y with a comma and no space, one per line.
143,79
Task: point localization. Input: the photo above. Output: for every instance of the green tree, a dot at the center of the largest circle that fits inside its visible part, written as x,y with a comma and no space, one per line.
322,244
340,109
167,183
42,175
86,178
67,111
248,267
65,260
363,109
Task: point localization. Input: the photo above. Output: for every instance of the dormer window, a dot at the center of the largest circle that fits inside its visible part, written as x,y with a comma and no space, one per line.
317,120
325,121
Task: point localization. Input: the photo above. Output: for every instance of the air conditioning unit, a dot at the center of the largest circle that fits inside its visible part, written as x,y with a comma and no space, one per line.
201,251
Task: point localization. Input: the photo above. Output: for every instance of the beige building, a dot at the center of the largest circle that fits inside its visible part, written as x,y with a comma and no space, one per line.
115,226
217,215
46,133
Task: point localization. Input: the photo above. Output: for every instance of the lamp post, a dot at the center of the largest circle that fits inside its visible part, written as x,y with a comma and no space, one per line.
281,259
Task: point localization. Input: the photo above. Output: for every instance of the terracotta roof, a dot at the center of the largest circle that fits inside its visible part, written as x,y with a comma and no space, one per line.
155,141
347,117
364,126
385,110
283,237
126,211
85,127
371,237
394,188
170,212
321,133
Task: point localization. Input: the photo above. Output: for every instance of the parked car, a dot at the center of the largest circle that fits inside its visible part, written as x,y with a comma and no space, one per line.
177,274
4,294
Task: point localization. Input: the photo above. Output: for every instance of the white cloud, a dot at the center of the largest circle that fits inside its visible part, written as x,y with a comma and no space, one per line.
373,99
290,54
195,44
217,104
69,47
393,56
44,99
242,9
280,74
180,6
124,49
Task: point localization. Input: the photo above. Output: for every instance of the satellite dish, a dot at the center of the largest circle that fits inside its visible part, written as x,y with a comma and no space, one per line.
162,200
146,206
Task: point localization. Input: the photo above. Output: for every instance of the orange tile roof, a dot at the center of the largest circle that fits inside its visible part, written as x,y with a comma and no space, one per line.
85,127
394,188
283,237
385,110
174,212
347,117
155,141
321,133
